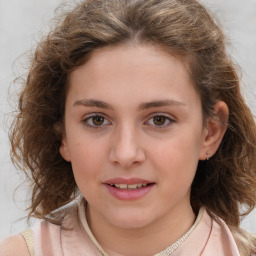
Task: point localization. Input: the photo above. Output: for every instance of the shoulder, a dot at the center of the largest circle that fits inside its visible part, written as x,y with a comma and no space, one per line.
14,246
43,233
234,239
220,241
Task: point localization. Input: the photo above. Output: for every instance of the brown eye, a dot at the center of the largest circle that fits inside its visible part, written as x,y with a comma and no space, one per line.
159,120
98,120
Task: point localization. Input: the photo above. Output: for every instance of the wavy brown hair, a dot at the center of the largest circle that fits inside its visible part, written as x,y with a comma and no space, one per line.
182,27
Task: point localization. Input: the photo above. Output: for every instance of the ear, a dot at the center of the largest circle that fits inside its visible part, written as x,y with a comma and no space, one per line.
64,150
60,132
214,130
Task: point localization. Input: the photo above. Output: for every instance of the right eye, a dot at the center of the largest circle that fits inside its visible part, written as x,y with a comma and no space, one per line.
96,121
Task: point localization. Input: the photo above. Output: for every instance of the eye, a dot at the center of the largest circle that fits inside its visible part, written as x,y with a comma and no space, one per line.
160,121
96,121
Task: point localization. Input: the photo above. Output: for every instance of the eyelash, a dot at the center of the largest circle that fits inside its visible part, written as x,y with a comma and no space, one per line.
166,117
94,126
88,121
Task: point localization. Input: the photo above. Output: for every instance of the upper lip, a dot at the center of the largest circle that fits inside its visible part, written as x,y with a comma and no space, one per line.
128,181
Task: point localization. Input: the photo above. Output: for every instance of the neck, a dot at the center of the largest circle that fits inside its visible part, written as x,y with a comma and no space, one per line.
147,240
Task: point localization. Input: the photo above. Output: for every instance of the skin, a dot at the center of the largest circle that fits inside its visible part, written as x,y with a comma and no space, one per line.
14,245
129,142
148,125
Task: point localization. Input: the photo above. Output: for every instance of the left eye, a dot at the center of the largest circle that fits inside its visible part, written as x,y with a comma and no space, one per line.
96,121
160,120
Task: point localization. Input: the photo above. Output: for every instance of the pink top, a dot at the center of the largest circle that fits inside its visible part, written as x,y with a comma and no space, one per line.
207,239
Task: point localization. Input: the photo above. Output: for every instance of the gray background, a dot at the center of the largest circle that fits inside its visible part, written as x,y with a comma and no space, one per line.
21,24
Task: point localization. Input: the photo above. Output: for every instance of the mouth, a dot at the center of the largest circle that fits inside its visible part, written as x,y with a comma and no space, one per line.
130,186
129,189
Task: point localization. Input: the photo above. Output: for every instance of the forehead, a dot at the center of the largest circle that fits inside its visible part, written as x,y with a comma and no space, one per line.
133,56
144,71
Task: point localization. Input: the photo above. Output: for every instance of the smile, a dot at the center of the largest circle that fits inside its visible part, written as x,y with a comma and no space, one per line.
128,186
128,189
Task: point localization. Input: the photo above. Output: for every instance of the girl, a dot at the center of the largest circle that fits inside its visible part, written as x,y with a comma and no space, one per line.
134,135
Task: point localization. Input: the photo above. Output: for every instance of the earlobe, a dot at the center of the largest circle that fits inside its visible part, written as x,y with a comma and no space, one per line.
64,150
214,130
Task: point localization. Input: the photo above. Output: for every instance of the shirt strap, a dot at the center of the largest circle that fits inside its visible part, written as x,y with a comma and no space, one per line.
28,236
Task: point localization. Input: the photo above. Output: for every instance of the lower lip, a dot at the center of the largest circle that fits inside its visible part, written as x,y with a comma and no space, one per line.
128,194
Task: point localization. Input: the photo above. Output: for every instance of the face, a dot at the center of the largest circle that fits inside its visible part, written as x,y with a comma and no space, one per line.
134,134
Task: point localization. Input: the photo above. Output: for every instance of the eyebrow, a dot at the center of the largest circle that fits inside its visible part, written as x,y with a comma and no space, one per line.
142,106
160,103
92,103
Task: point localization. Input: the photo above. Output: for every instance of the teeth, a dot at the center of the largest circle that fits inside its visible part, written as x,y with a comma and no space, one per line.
133,186
123,186
126,186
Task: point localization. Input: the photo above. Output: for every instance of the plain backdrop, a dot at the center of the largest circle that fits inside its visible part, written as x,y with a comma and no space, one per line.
21,24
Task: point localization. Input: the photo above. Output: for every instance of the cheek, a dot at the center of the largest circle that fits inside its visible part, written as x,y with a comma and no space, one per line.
177,157
86,165
87,156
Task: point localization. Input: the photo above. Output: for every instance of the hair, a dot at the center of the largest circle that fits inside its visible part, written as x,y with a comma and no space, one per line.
183,27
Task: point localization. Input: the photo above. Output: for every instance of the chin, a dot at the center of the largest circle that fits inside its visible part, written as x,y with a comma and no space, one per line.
131,220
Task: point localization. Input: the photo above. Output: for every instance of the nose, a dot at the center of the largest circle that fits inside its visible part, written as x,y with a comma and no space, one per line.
126,150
